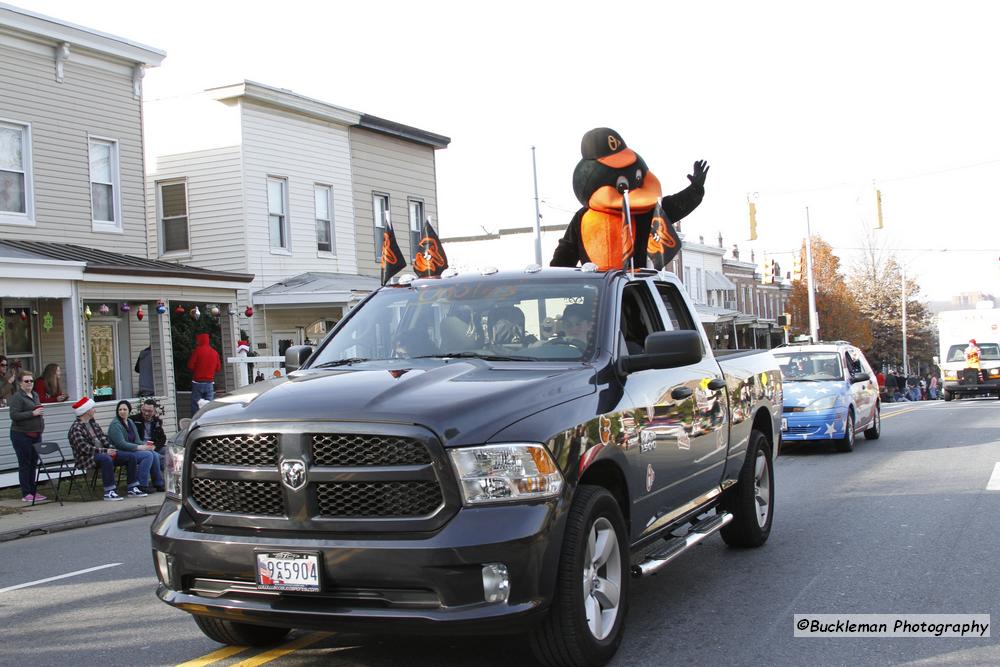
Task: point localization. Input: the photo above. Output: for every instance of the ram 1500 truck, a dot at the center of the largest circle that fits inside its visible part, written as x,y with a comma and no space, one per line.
488,453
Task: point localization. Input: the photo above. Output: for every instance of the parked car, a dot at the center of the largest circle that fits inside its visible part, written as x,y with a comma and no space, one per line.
830,394
460,454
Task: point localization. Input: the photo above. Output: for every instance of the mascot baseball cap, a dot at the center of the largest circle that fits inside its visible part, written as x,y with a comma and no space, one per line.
607,147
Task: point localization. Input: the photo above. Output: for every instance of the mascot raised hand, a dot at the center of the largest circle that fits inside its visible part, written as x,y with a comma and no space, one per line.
598,232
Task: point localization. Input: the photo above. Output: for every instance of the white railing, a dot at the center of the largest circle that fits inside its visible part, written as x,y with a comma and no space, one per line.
269,367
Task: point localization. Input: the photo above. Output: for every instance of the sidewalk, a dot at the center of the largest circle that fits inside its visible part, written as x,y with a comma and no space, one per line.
18,519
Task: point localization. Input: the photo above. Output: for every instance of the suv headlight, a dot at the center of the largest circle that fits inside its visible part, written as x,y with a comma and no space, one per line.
505,473
825,403
174,477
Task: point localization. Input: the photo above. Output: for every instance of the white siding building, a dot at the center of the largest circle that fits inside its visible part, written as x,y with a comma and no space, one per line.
262,180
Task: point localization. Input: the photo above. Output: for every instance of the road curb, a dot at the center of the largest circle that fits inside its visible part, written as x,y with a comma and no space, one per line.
78,522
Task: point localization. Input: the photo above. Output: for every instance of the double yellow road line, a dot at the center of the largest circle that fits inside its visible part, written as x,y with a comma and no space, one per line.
260,658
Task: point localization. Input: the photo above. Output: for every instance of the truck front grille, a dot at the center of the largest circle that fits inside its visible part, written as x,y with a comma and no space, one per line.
378,499
351,449
238,496
321,476
237,450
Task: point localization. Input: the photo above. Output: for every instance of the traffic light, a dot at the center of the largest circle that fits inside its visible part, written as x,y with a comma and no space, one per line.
753,221
767,271
785,320
776,273
797,268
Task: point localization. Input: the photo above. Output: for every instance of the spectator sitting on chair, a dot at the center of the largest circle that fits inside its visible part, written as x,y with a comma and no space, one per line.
91,449
124,437
150,428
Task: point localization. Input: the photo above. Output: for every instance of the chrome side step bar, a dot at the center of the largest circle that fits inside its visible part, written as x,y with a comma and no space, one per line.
678,545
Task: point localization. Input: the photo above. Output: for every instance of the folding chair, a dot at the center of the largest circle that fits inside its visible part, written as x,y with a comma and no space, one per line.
119,473
51,461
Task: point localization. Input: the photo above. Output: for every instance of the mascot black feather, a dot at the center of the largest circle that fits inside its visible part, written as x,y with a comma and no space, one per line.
597,232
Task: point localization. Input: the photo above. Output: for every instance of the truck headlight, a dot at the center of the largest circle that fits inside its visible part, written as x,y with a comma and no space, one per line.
505,473
174,477
825,403
950,375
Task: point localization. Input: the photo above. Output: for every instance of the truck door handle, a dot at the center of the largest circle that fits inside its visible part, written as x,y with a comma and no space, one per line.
717,384
680,393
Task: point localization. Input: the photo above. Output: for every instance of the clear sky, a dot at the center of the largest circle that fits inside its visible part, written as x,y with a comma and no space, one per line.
796,103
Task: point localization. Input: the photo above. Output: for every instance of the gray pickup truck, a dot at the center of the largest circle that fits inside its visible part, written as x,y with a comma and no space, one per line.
488,453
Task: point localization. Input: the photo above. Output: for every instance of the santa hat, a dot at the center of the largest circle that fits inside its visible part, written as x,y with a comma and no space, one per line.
972,340
82,406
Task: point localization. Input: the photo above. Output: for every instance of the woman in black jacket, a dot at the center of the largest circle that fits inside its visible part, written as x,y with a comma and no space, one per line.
26,426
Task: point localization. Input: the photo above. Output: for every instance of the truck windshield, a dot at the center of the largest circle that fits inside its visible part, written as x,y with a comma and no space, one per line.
987,352
495,319
810,366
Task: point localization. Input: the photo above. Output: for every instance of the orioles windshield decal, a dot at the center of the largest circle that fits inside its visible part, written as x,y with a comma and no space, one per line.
663,244
430,259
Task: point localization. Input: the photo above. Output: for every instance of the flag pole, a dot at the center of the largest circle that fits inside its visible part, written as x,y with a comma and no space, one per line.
627,210
538,213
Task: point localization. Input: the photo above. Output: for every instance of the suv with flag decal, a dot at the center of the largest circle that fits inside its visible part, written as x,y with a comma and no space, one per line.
460,453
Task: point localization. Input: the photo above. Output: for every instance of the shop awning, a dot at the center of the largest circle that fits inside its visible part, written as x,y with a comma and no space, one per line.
317,287
717,281
712,314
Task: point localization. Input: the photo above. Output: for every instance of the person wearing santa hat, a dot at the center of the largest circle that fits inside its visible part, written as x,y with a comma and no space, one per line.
91,448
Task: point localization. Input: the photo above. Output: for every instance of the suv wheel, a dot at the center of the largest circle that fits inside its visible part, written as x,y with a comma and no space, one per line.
239,634
846,444
873,432
585,624
751,500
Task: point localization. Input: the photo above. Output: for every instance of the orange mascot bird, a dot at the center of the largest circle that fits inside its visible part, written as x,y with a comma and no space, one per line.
598,232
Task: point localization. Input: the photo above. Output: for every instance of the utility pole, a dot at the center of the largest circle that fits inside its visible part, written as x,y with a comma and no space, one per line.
813,316
906,363
538,213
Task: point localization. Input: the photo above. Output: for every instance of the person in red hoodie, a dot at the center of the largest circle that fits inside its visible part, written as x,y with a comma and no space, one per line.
203,364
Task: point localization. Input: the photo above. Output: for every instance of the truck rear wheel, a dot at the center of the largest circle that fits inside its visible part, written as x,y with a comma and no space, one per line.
586,622
239,634
751,500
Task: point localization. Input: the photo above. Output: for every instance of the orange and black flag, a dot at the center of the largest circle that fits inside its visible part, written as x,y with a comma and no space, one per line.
392,257
663,242
430,258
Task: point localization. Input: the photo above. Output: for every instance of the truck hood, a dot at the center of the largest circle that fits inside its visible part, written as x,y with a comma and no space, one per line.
462,401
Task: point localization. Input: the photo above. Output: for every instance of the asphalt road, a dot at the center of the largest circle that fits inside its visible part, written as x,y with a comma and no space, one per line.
904,524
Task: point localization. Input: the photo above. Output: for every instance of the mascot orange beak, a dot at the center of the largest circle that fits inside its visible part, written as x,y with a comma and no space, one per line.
608,200
622,158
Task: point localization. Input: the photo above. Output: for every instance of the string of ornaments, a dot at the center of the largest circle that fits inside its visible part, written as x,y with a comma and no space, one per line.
161,309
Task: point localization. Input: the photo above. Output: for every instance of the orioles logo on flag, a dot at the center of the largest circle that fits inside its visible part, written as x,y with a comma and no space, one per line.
388,256
430,260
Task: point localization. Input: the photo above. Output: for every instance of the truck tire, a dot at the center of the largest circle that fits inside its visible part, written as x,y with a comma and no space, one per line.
751,499
846,444
239,634
585,623
875,430
947,395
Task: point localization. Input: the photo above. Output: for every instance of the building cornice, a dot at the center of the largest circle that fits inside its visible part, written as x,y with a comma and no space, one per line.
63,32
286,100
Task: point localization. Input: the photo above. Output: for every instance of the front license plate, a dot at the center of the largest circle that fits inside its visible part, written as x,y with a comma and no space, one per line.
784,424
285,571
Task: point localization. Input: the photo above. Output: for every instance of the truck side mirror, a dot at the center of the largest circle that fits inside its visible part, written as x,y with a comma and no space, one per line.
860,377
666,349
297,355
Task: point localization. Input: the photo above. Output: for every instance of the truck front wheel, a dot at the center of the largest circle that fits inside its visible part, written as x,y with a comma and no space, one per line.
948,395
585,623
751,499
239,634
